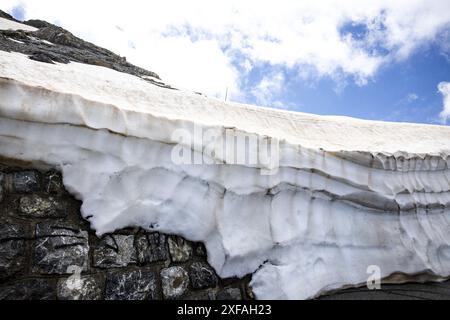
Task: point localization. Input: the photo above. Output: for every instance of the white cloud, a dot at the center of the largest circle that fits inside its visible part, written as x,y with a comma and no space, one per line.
411,97
444,43
269,92
408,99
268,88
199,65
444,89
195,44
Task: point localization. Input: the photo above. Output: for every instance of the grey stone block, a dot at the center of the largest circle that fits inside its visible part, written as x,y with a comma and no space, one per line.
175,282
29,289
202,276
38,206
59,246
13,249
115,251
53,183
152,248
131,285
26,181
78,287
180,250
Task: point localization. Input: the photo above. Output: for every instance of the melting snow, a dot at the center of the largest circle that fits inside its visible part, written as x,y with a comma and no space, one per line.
6,24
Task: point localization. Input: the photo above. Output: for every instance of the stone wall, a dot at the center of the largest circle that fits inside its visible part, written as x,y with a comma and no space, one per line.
47,251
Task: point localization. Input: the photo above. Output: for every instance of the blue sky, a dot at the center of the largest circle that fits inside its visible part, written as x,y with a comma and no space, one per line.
404,91
376,60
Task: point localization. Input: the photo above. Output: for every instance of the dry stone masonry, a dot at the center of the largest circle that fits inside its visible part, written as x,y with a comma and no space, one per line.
47,251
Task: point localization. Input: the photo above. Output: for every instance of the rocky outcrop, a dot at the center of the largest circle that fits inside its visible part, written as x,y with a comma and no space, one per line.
53,44
5,15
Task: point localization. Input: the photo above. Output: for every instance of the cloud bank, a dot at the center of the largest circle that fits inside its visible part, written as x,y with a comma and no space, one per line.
209,46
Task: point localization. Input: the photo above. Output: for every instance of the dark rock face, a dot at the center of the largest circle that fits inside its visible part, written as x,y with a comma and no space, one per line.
26,181
151,247
131,285
65,47
12,249
59,247
41,206
202,276
6,16
115,251
53,44
180,250
29,289
78,287
37,23
175,282
47,57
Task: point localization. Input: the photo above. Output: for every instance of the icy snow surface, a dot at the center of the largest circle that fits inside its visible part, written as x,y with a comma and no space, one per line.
348,194
6,24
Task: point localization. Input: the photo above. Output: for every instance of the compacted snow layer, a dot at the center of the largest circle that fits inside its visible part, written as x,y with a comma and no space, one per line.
348,194
6,24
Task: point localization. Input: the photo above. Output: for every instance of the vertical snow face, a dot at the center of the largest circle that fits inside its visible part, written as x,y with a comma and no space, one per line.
332,210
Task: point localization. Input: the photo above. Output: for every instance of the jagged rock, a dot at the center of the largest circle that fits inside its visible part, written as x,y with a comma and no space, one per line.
47,58
5,15
229,294
67,47
41,206
175,282
115,251
180,250
78,287
18,35
131,285
151,247
58,35
202,276
42,57
12,249
26,181
59,247
37,23
29,289
51,43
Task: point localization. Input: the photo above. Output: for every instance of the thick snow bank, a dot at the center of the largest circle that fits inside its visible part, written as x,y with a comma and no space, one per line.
345,194
6,24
